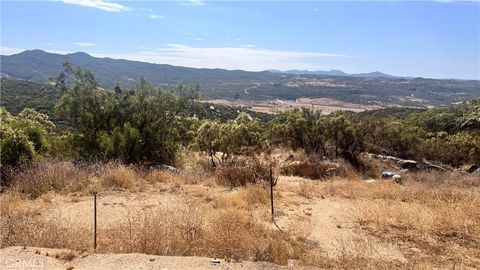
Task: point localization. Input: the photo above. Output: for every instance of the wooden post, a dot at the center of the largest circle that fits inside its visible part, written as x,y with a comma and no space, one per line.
271,193
94,221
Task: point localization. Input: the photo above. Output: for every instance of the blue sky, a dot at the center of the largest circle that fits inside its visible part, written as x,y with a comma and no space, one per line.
437,39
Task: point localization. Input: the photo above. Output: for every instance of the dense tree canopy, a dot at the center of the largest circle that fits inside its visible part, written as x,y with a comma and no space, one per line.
148,124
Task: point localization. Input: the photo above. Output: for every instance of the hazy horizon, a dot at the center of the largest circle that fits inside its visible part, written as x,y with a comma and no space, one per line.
437,39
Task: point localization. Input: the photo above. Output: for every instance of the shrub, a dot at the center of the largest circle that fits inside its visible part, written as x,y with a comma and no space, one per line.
53,175
243,171
320,171
119,176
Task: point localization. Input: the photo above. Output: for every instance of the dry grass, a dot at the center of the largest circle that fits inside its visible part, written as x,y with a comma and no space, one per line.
41,179
435,213
120,176
309,189
243,198
438,216
317,171
181,231
58,176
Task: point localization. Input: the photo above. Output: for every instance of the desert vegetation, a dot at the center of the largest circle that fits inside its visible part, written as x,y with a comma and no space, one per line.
172,182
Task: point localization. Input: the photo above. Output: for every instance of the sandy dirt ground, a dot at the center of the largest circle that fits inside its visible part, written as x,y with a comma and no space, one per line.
16,258
326,220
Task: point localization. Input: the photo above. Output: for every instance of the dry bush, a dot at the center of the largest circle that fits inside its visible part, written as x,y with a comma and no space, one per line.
66,255
120,176
235,234
159,176
243,198
195,163
53,175
169,231
243,171
320,171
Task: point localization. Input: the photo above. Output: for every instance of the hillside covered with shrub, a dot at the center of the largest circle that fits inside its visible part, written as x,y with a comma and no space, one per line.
149,124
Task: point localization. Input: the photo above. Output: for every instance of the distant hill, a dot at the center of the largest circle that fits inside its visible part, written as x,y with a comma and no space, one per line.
334,72
366,88
38,66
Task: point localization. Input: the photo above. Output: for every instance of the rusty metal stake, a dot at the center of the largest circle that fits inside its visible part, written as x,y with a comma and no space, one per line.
271,193
94,221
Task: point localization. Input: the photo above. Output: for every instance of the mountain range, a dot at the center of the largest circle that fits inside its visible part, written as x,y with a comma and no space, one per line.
366,88
334,72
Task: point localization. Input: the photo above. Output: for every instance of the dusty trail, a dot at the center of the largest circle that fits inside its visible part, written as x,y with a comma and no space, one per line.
332,226
19,258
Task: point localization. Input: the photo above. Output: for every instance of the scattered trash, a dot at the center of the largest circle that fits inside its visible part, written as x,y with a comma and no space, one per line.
215,261
387,175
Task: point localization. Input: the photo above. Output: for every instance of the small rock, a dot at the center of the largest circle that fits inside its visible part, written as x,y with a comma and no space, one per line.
472,168
152,259
292,263
408,164
414,249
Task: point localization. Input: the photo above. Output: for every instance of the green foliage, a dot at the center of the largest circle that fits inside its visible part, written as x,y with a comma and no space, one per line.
244,135
23,137
300,129
144,123
136,124
19,94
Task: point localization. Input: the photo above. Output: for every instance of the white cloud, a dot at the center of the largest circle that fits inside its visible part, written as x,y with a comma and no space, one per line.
84,44
193,3
10,50
245,58
157,17
100,4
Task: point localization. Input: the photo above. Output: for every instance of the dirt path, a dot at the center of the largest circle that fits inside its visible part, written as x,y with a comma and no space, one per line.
332,226
19,258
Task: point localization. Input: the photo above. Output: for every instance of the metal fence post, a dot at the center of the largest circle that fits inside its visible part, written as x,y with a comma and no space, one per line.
271,193
94,221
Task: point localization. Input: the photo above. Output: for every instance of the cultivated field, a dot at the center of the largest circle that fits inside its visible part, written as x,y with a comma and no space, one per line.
325,105
154,219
